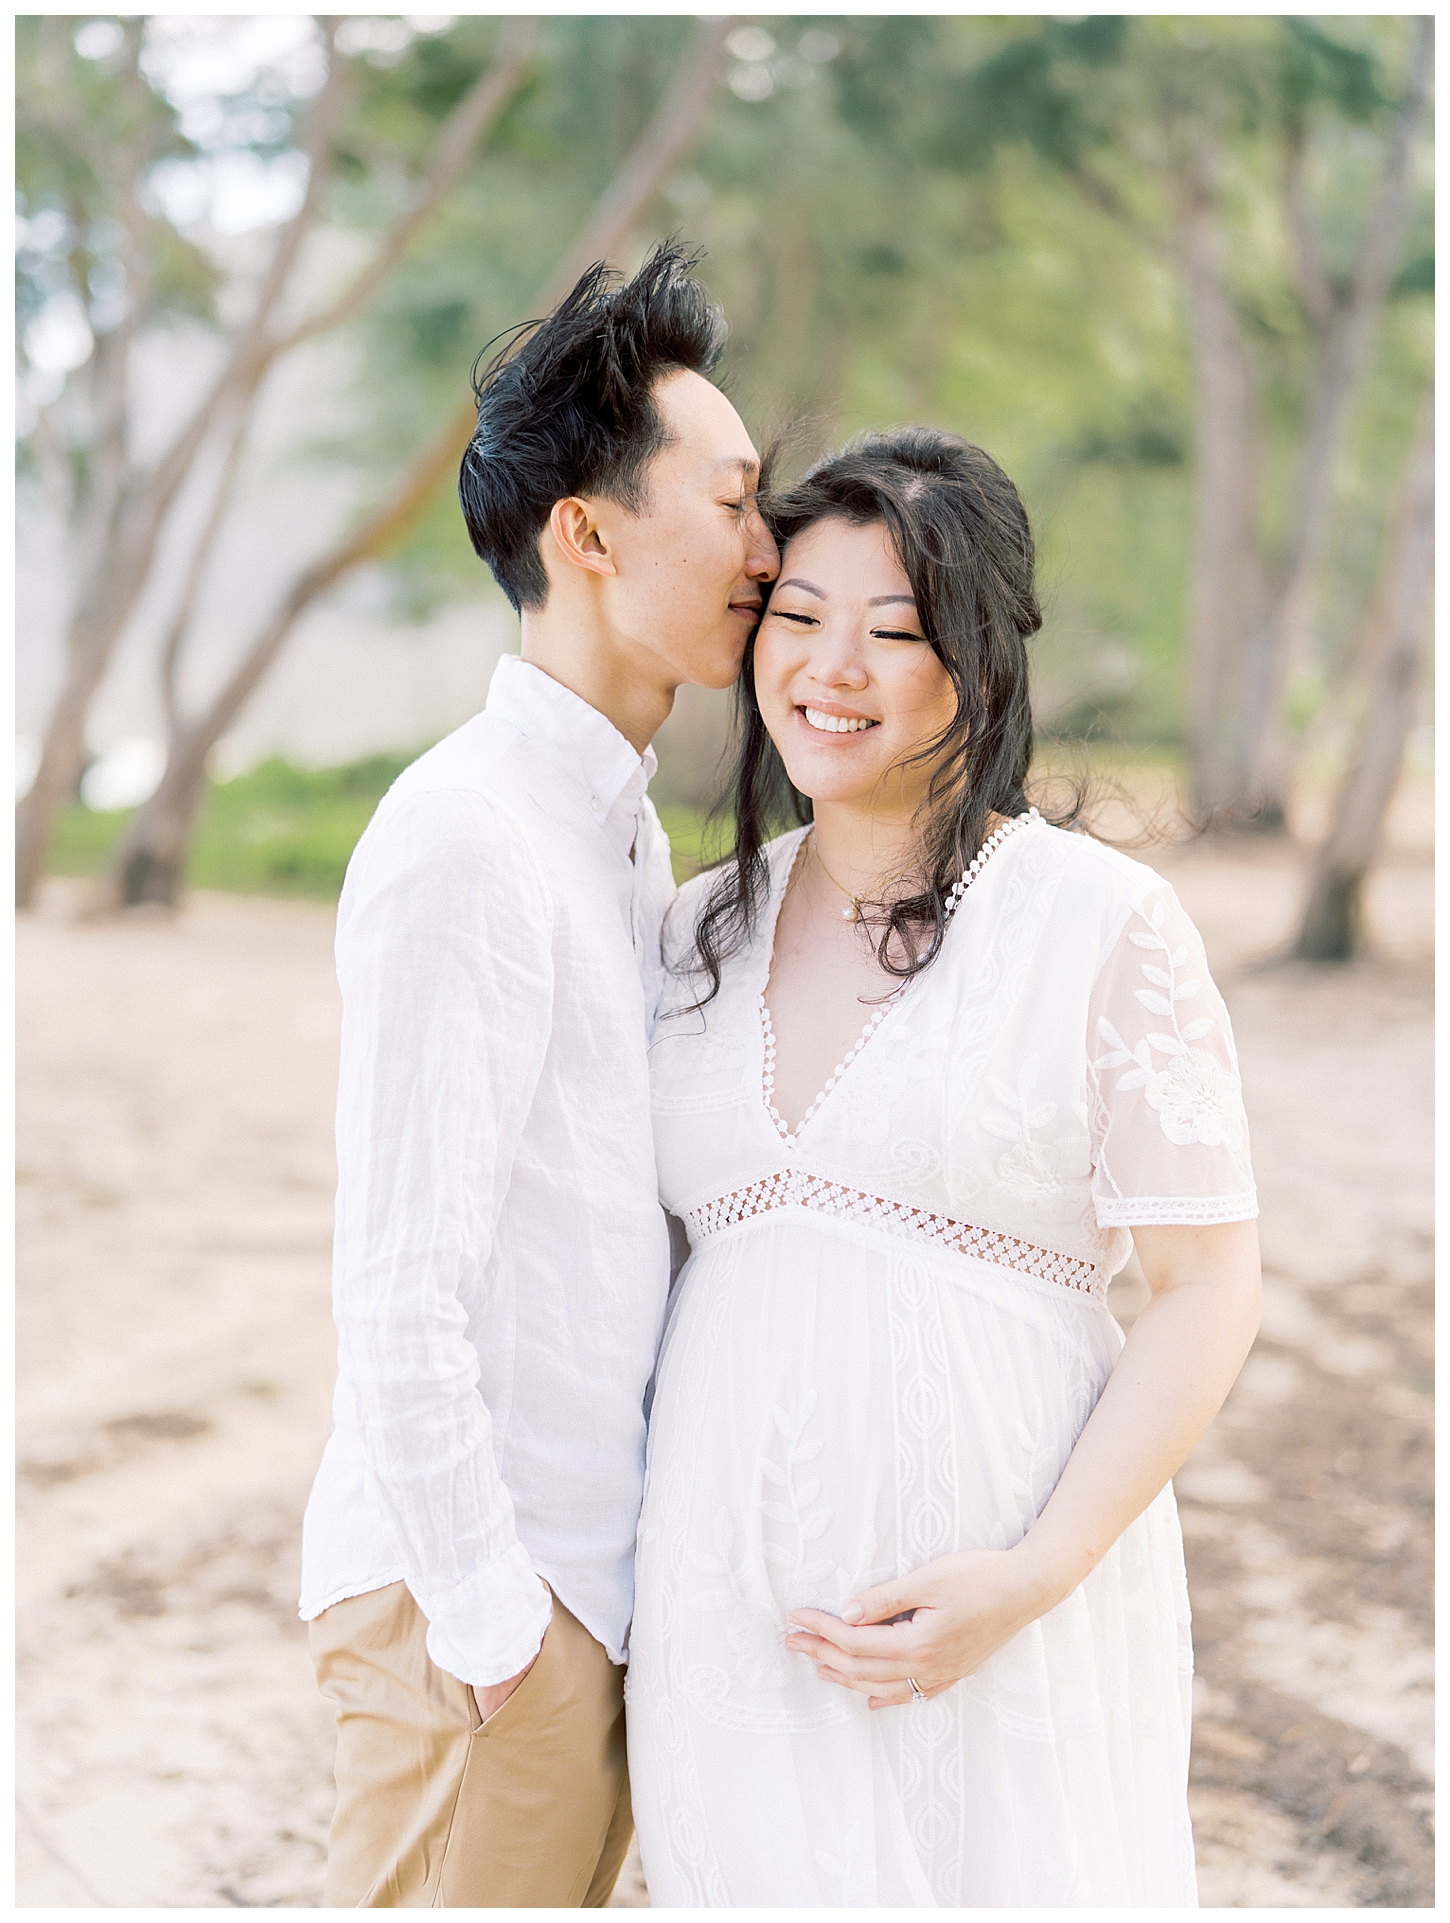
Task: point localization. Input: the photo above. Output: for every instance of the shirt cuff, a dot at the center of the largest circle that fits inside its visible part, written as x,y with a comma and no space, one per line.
491,1625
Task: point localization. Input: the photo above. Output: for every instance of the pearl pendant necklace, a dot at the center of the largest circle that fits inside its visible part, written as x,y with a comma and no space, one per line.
959,888
853,911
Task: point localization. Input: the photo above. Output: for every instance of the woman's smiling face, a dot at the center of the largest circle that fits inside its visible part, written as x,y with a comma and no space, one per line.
848,685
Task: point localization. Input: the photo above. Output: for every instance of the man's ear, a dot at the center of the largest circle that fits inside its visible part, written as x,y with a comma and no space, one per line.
579,537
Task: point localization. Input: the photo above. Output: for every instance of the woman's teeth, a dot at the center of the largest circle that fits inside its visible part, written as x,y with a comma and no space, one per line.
835,723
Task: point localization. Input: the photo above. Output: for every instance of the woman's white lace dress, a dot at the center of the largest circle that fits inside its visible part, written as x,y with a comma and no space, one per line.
888,1335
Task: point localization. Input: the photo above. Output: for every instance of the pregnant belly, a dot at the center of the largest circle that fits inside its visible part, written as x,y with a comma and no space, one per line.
831,1413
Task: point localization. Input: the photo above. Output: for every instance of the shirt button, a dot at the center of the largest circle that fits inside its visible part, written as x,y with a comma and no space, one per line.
595,803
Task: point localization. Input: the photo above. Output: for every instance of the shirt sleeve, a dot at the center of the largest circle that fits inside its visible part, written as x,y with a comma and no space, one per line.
445,962
1170,1138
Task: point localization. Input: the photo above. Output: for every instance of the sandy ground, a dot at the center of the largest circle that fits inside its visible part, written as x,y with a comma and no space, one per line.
176,1355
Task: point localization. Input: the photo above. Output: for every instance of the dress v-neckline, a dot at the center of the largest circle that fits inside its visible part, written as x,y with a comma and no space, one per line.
790,1137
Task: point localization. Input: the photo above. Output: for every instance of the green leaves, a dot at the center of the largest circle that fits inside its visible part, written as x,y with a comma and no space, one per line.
1035,90
1317,69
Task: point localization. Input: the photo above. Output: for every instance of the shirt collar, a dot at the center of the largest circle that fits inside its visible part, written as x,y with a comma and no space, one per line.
544,710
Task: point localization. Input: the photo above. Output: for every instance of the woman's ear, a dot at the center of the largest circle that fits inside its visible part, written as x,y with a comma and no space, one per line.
578,536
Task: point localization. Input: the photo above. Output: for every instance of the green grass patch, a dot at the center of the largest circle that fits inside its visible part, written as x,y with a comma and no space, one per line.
692,845
277,830
280,830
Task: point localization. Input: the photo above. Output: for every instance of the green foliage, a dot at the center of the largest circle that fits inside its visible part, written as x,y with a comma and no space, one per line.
84,129
1317,68
1042,88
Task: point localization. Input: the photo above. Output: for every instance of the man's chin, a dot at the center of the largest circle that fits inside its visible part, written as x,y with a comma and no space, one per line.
719,670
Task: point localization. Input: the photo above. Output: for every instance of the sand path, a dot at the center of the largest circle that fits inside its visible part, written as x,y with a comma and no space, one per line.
176,1355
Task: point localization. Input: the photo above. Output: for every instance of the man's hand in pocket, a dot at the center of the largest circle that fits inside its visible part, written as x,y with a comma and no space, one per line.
489,1700
486,1701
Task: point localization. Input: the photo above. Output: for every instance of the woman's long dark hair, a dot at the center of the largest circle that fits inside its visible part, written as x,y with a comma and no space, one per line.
961,533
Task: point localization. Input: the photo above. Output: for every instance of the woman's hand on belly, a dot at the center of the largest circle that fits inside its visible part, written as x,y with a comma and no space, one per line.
951,1615
1170,1378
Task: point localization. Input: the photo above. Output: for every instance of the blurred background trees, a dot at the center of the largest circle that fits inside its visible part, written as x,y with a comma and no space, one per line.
1175,273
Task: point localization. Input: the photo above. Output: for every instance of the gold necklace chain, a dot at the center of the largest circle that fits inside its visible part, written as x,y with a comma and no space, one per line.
853,913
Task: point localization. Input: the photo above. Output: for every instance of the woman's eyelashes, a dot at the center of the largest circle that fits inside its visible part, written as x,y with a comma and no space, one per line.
877,634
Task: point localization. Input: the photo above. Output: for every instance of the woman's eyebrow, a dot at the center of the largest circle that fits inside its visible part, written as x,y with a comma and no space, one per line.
809,586
884,600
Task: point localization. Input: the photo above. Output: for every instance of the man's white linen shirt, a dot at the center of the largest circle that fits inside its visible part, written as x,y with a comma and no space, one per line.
500,1261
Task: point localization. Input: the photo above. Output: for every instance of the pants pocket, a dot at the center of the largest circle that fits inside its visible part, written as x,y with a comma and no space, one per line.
533,1684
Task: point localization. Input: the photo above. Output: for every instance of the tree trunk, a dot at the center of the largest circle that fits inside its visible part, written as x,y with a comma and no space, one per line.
108,601
1400,619
57,779
1348,326
1225,589
150,862
171,647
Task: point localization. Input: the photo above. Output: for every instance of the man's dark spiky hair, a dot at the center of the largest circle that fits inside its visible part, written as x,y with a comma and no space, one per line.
570,410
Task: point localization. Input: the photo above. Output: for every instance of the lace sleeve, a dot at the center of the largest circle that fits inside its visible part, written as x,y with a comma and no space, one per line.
1170,1139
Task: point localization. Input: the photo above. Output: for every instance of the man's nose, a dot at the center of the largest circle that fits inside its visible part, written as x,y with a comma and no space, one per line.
763,563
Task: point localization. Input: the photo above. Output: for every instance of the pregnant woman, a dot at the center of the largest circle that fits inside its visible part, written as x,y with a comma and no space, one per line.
911,1621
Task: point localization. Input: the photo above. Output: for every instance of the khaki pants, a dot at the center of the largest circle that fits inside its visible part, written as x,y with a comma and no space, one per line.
530,1809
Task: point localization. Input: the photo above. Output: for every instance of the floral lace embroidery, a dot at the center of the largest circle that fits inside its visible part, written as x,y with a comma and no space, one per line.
793,1188
1195,1098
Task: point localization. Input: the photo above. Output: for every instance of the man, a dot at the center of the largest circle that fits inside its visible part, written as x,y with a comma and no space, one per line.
501,1259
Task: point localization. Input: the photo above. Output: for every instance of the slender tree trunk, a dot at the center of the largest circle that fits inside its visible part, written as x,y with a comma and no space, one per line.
175,642
109,598
1278,640
1401,625
1225,589
149,863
